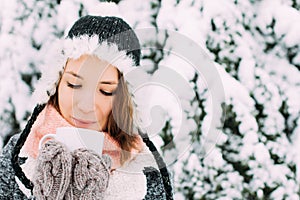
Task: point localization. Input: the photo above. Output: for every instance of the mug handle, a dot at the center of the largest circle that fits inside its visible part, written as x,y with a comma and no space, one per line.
52,136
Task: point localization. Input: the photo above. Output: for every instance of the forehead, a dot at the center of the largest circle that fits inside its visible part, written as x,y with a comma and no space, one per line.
90,67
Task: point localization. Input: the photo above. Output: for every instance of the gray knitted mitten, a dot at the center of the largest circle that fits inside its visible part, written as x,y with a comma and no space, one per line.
90,175
53,171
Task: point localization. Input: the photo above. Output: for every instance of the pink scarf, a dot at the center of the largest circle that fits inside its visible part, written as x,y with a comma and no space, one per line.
50,119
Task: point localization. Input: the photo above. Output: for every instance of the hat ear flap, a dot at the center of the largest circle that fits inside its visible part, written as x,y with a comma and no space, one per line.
20,142
160,163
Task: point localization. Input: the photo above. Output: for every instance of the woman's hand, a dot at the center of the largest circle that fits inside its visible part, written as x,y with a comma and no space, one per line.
90,175
61,174
53,171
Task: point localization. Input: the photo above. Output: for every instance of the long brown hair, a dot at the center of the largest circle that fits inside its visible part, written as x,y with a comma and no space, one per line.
120,120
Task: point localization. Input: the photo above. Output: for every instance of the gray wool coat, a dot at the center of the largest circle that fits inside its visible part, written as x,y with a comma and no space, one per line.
9,188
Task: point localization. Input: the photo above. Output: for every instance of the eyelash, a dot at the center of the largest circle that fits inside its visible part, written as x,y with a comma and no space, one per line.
79,86
107,93
73,86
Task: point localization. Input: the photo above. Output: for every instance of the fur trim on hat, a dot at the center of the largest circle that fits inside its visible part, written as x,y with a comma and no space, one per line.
64,49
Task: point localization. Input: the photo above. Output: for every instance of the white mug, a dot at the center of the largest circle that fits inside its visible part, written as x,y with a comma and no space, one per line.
75,138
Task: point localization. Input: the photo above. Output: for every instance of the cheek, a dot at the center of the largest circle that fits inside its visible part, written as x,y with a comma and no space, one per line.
104,106
65,100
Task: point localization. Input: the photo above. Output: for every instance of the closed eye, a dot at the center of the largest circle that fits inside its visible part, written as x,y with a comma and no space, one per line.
107,93
73,86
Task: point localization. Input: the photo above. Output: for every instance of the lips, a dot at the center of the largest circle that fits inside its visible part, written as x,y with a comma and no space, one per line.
82,122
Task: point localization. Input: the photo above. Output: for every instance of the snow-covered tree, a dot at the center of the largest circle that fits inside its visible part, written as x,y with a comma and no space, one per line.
256,45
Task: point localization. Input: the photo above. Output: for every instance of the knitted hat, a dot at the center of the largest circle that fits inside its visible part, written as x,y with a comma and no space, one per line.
109,38
111,29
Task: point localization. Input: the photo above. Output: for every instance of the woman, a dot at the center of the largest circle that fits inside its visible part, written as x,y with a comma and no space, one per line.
86,89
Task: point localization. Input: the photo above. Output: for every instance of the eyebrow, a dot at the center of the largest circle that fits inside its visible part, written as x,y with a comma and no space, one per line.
74,74
101,82
108,82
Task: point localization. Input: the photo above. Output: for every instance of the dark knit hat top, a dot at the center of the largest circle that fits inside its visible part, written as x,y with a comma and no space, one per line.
111,29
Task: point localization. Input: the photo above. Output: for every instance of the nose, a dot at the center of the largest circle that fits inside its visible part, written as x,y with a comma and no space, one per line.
85,102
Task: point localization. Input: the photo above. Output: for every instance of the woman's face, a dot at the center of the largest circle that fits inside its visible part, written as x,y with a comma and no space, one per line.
86,92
